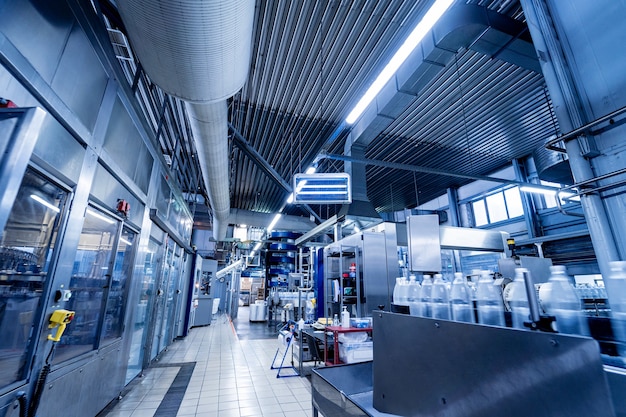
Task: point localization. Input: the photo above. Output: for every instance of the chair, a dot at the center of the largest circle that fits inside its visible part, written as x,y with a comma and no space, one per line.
314,348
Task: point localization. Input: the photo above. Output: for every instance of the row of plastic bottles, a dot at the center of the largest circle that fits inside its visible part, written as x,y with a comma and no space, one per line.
434,298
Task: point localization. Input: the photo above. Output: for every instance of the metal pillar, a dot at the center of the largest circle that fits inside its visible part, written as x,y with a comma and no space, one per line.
568,107
527,205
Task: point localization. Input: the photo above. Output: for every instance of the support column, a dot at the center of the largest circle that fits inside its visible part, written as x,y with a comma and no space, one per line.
569,110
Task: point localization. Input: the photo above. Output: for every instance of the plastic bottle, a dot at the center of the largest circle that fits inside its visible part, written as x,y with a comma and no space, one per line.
440,299
335,320
489,301
413,296
518,300
301,324
562,301
396,291
413,290
402,292
461,300
345,318
425,309
617,300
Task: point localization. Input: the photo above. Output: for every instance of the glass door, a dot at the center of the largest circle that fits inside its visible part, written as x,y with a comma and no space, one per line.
162,284
144,304
26,251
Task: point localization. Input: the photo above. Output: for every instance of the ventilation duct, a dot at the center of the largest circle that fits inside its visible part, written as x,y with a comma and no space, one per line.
199,52
209,124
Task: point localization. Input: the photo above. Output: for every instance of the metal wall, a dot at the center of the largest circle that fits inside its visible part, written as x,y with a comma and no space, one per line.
92,144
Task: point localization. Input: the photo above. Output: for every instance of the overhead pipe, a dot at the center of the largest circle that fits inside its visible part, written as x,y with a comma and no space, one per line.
199,52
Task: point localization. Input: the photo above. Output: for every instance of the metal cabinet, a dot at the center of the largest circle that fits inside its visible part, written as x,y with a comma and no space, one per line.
359,272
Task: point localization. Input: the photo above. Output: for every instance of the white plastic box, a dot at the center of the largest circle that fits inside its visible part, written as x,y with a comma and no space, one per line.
356,352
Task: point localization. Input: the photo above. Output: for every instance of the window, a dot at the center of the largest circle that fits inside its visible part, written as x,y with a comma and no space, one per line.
123,268
480,213
513,202
88,282
28,241
497,207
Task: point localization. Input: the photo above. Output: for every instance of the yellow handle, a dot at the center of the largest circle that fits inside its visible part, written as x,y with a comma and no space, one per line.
60,329
59,319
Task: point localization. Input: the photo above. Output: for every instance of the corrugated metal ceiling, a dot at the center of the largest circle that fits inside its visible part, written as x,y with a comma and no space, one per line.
312,60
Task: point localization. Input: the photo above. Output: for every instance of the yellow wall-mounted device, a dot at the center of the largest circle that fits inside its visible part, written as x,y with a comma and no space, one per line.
59,319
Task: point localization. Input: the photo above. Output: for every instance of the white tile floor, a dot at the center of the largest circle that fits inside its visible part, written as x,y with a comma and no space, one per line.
232,378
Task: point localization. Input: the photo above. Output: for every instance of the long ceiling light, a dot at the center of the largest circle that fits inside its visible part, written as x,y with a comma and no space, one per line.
273,222
423,27
45,203
97,215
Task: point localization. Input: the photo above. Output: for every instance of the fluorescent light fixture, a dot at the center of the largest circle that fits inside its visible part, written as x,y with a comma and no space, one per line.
309,171
423,27
251,255
549,192
97,215
536,190
274,221
44,202
257,246
129,243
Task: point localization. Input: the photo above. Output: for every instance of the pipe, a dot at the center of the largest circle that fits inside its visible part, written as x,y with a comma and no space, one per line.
199,52
209,124
566,104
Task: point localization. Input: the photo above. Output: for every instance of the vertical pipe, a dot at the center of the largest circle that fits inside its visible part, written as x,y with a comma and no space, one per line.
569,113
529,212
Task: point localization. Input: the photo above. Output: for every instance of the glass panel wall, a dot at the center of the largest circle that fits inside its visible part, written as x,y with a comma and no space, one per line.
26,248
123,268
145,302
89,279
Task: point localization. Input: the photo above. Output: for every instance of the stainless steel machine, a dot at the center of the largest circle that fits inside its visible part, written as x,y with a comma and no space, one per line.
428,367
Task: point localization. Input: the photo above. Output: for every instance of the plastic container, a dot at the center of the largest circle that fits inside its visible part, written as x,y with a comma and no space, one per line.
561,300
461,300
489,301
617,300
400,292
413,290
425,309
440,299
336,320
345,318
356,352
518,300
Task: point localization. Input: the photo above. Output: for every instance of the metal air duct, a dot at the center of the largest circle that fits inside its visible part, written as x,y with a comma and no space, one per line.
199,52
209,124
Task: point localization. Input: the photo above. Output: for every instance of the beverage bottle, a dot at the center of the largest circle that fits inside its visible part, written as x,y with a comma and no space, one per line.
345,318
440,299
616,287
489,301
402,292
396,291
335,320
425,297
413,295
518,300
562,302
461,300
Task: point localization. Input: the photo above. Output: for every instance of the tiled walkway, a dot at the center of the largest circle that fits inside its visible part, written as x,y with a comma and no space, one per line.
231,378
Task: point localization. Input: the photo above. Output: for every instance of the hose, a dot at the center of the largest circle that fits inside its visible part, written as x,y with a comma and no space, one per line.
40,385
23,402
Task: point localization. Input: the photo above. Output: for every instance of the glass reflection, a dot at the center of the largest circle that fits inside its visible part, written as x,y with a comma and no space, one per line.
88,282
123,268
26,248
